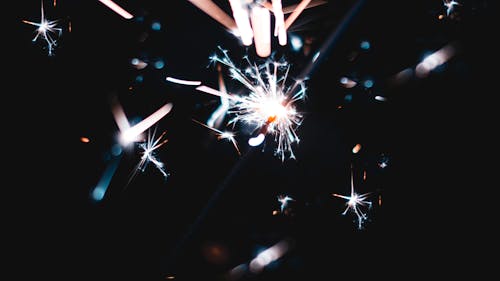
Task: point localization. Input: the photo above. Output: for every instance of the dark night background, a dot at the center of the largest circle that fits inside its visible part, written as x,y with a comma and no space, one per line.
214,211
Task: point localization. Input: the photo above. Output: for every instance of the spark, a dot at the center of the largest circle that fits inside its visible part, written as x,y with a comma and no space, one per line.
356,148
45,30
222,135
130,134
296,12
284,199
291,8
436,59
219,113
450,5
184,82
149,147
270,105
279,28
241,17
215,12
355,203
117,9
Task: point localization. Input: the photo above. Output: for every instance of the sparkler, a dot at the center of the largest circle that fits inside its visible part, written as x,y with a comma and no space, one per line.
149,147
46,29
270,105
450,6
355,203
222,135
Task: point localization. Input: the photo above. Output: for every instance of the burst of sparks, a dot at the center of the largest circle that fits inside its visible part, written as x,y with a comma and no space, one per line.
450,5
270,105
149,147
222,135
46,29
356,203
284,199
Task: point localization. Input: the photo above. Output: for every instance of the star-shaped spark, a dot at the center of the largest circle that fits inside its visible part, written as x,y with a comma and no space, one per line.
284,199
356,203
46,29
223,135
450,5
269,106
149,147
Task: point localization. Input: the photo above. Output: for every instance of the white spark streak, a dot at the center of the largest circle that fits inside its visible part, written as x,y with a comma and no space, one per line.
261,23
117,9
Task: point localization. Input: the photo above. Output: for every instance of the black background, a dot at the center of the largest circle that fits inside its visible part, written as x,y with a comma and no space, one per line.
432,130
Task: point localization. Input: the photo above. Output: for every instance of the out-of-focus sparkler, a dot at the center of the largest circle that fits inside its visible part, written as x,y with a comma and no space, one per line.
222,135
355,203
270,105
284,199
117,9
46,29
450,6
436,59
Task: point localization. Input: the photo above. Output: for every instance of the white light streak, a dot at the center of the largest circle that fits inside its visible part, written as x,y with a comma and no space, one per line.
296,12
183,82
117,9
46,29
261,23
356,203
131,134
211,9
240,14
279,25
435,59
268,256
